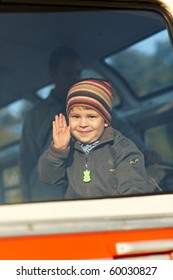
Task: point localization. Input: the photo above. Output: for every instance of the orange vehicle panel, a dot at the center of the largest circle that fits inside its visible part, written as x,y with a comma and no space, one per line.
74,246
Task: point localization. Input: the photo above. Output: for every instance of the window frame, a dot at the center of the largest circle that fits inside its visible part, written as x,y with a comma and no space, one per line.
123,213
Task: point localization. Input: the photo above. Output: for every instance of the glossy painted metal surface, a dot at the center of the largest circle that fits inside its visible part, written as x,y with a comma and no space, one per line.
93,245
83,229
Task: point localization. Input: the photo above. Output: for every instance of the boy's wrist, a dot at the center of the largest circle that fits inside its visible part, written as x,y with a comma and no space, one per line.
60,148
58,153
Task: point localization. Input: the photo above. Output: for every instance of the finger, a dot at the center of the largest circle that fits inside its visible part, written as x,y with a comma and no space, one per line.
64,123
60,120
56,121
68,129
54,125
54,130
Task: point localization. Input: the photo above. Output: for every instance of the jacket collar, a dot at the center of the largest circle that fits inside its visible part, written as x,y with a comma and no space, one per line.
107,136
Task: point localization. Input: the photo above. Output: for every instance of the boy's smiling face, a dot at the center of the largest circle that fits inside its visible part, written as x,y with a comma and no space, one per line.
86,124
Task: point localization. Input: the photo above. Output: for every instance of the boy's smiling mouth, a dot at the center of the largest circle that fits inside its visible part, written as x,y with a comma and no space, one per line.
84,131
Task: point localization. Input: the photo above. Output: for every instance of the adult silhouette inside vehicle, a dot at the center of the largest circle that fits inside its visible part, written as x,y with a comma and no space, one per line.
64,69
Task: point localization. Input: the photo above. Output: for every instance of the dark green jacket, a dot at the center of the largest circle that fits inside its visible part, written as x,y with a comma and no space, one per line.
116,168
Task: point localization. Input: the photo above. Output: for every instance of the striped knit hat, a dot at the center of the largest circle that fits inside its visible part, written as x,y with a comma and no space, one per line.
91,93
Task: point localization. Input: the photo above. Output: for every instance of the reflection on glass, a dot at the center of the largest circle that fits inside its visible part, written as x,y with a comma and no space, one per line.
13,196
11,182
11,119
161,139
151,59
134,43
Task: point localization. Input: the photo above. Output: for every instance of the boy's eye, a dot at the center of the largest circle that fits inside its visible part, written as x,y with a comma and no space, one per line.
92,116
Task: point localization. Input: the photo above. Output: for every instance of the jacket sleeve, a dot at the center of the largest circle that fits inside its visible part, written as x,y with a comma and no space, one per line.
52,166
130,168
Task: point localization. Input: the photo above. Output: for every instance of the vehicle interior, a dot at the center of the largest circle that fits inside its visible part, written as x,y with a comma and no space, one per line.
130,48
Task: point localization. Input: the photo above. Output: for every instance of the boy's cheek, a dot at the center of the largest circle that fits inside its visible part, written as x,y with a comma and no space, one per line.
72,132
72,122
72,127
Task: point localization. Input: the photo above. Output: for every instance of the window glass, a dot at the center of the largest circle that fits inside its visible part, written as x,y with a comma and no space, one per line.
11,177
99,38
92,73
45,91
11,184
11,119
160,138
148,59
13,196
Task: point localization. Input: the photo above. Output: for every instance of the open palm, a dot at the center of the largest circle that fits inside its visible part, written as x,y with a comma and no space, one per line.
61,132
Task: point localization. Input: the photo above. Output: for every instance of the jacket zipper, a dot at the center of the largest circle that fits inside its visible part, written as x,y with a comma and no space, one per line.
86,172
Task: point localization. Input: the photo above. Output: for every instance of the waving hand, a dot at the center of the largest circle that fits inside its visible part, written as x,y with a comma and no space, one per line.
61,132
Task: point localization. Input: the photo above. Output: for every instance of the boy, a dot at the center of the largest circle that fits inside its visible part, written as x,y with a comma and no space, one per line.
88,156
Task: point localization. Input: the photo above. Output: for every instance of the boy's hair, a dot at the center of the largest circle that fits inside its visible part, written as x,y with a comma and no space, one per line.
95,94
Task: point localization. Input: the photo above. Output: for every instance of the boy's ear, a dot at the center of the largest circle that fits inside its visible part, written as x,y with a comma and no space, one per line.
106,125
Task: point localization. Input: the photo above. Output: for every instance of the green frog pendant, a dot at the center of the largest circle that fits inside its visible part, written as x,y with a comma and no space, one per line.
86,176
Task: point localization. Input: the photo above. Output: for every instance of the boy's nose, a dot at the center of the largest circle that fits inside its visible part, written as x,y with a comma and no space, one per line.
83,122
